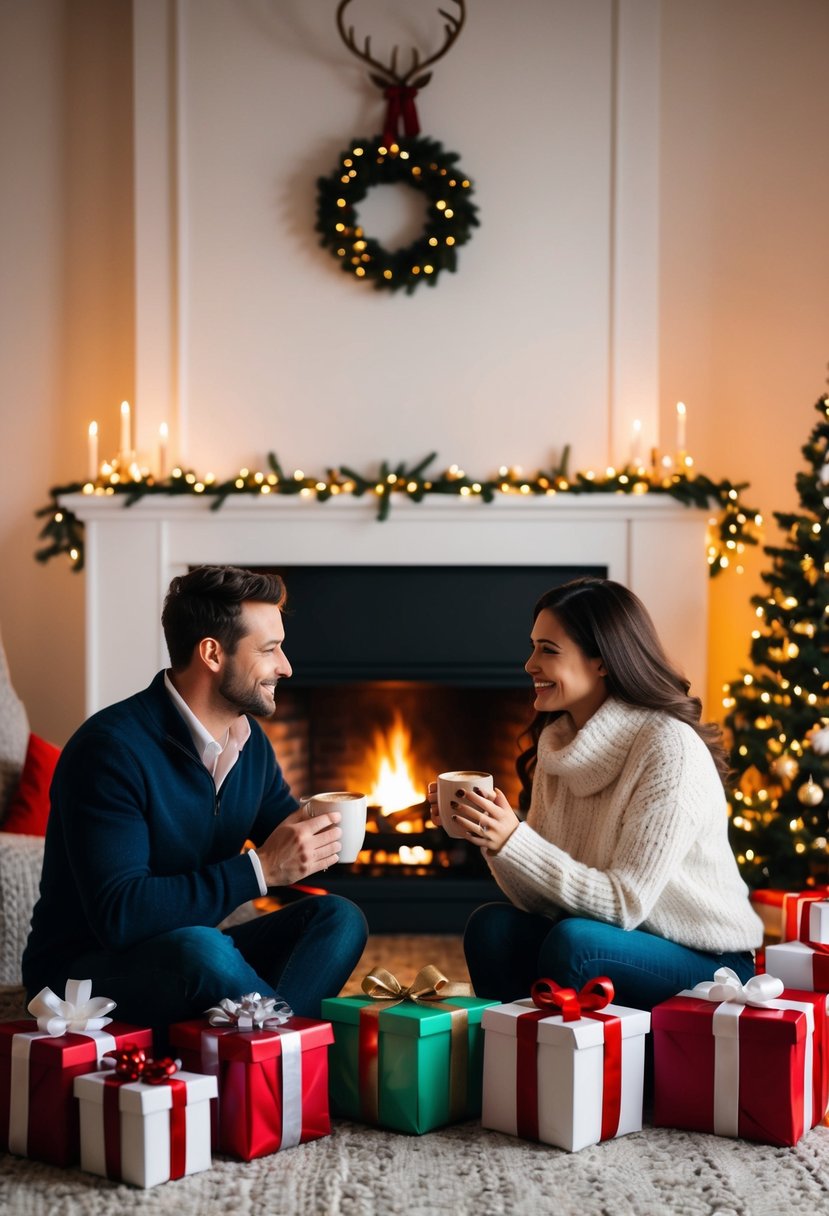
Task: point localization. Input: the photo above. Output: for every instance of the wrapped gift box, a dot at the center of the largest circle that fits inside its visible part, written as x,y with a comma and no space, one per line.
553,1089
273,1083
38,1114
407,1066
799,966
144,1134
755,1072
781,911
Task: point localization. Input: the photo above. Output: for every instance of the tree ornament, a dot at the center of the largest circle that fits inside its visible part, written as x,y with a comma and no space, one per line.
397,156
819,740
810,794
785,767
823,474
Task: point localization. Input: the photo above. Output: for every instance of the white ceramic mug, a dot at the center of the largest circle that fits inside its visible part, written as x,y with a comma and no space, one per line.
352,808
448,786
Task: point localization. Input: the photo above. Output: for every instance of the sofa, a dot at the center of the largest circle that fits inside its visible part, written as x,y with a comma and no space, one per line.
21,853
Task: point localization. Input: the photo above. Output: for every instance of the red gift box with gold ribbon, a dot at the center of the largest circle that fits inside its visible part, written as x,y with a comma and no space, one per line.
272,1074
39,1060
748,1061
564,1067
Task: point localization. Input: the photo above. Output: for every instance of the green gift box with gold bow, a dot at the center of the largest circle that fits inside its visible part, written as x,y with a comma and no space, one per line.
407,1059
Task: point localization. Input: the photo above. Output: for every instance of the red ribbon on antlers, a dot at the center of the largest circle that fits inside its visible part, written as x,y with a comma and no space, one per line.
400,112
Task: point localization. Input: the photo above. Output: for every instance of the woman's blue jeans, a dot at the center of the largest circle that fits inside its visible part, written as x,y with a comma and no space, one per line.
302,953
507,950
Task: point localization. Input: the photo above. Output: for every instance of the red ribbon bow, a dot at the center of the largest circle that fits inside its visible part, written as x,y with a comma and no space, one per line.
131,1063
400,107
572,1005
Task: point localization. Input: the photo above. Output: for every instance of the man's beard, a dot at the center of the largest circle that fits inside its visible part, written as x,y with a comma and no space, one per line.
245,698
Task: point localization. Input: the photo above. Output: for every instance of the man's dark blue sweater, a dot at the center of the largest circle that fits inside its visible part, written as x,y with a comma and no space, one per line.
139,841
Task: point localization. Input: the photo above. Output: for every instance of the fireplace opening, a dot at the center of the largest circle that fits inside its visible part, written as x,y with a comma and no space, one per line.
401,673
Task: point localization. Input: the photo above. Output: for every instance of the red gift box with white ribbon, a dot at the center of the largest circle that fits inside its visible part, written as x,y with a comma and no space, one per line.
39,1061
272,1071
782,911
564,1067
748,1061
144,1121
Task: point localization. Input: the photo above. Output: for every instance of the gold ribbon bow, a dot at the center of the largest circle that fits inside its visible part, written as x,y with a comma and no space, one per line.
429,987
430,984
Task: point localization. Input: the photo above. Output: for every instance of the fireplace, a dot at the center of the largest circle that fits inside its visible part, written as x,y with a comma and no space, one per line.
401,672
651,543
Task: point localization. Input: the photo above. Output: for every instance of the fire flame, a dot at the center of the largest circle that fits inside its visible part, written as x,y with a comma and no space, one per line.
394,786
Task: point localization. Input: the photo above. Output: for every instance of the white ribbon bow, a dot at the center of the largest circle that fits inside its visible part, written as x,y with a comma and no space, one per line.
250,1012
727,986
77,1013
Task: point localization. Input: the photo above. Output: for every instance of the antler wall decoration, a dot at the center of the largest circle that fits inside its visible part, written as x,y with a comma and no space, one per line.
399,88
399,155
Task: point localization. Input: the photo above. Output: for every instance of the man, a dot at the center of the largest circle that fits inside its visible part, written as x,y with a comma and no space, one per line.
152,802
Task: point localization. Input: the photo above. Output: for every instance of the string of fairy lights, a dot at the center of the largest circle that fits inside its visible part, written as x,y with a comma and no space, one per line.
734,528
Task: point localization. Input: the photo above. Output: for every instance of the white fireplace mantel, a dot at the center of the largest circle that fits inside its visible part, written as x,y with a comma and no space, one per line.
651,543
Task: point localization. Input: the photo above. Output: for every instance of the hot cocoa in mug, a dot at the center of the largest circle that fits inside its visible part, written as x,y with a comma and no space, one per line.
448,786
352,807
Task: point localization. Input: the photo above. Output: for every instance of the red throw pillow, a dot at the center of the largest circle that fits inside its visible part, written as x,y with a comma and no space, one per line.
29,808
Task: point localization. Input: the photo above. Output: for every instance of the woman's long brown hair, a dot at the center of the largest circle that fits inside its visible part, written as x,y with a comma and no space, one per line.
609,622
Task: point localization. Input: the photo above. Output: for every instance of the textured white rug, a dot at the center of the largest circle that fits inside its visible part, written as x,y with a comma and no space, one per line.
459,1171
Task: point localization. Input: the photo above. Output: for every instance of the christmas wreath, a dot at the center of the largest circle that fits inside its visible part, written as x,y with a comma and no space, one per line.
417,162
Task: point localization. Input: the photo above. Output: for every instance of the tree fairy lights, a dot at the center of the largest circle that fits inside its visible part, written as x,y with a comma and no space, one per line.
778,713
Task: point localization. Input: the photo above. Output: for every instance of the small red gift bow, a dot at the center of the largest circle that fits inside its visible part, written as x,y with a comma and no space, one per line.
552,999
131,1063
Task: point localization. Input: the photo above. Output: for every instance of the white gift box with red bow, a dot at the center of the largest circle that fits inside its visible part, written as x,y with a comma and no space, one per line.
145,1134
569,1080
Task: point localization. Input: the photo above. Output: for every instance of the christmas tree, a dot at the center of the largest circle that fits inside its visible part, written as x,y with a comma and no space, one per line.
778,713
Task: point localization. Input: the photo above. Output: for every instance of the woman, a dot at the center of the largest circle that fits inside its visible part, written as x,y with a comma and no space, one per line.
622,866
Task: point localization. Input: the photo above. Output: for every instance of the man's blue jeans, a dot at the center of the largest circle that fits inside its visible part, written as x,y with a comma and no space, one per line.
303,952
507,950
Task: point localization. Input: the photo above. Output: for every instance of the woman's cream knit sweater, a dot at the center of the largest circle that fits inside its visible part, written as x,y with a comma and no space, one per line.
627,825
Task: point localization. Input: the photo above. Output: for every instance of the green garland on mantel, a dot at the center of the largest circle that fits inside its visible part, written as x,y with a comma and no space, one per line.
731,532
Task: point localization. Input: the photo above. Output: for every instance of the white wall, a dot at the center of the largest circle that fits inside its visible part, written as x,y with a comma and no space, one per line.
65,310
296,357
745,258
500,363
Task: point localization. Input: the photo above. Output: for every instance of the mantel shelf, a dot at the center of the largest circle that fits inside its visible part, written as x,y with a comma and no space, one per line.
653,544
